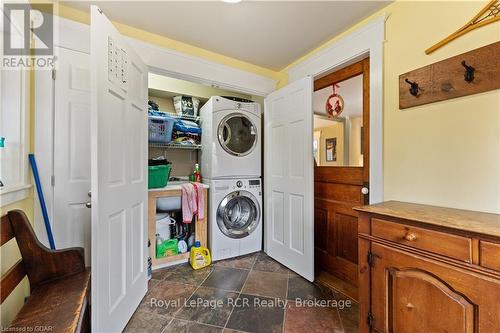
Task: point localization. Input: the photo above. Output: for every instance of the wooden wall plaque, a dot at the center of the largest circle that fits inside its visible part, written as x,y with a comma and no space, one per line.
445,79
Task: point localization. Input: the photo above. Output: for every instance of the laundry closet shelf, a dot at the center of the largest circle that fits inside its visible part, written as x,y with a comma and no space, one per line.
183,117
174,146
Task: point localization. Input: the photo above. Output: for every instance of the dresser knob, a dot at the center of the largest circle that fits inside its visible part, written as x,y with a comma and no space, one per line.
410,237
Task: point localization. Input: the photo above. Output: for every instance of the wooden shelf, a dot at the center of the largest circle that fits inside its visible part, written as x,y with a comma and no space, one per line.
169,259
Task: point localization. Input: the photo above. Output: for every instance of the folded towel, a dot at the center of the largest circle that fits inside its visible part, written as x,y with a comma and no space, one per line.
192,201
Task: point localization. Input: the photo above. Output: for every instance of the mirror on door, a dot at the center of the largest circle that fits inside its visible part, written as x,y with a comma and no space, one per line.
338,124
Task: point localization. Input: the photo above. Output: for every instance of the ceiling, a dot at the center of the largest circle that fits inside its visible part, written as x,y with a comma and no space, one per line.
268,34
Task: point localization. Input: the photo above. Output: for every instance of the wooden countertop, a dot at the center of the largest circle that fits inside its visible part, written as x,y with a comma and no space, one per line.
465,220
175,185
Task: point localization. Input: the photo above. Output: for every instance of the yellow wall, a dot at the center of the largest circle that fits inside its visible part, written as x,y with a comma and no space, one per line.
336,130
355,156
445,153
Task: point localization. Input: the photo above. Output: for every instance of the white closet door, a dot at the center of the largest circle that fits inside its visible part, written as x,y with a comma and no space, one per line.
119,176
289,176
72,151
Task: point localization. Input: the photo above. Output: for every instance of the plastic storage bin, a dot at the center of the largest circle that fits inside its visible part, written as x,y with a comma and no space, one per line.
158,175
168,204
160,128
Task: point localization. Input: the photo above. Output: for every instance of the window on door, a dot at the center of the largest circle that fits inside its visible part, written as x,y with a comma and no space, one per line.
338,123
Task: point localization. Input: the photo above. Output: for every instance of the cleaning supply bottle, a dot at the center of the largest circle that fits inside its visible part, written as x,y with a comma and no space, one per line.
199,256
196,173
160,248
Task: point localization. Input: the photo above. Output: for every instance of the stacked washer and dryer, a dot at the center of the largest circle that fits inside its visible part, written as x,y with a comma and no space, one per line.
231,164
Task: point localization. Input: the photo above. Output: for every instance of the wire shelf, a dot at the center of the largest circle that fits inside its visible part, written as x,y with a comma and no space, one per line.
183,117
174,145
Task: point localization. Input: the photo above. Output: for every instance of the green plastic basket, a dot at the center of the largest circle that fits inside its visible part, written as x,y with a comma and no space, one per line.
158,175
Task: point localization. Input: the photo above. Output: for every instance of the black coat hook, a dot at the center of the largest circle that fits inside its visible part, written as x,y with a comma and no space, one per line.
469,72
414,89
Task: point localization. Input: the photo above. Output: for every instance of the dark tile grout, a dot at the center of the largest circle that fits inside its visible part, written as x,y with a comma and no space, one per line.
289,274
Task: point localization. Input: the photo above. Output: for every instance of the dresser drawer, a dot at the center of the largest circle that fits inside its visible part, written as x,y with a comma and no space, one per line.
448,245
489,255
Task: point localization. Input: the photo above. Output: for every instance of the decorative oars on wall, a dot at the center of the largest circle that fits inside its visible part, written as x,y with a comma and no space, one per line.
489,14
469,73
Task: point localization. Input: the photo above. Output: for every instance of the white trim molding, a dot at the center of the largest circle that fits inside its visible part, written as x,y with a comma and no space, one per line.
179,65
367,40
14,194
163,61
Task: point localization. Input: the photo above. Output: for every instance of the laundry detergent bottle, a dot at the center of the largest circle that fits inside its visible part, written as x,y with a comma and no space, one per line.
199,256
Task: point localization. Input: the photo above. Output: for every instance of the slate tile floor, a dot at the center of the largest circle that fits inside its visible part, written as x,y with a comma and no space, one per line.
251,293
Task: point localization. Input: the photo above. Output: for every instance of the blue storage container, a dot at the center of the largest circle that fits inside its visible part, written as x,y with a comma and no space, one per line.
160,128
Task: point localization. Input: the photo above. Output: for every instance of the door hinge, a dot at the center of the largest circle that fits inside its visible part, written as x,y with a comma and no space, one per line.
370,258
53,180
370,319
53,74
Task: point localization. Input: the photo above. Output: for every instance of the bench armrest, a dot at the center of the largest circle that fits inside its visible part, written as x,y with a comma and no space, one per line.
41,263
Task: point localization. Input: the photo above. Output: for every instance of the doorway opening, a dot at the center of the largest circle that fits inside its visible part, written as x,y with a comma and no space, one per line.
341,173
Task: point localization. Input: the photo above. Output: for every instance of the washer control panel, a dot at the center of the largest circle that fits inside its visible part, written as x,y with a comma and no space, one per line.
246,184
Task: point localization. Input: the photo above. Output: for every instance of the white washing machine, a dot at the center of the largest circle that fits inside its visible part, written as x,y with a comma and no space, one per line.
231,145
235,223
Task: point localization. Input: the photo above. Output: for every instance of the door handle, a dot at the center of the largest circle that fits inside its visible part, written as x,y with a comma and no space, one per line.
88,204
365,190
89,193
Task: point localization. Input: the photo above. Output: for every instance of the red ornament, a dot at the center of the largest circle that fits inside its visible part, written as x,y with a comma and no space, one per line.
334,103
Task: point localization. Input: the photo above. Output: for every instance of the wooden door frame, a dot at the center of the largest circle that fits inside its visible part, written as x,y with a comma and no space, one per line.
350,71
334,259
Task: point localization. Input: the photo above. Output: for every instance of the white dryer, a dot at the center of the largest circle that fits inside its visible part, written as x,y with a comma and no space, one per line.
235,221
231,145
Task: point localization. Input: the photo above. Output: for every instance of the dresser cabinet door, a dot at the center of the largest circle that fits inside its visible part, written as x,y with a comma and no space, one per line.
413,294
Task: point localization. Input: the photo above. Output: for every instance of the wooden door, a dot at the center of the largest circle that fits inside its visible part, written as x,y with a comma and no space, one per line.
337,189
412,294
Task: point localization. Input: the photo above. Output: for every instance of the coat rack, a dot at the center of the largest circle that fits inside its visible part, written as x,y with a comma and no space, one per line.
466,74
489,14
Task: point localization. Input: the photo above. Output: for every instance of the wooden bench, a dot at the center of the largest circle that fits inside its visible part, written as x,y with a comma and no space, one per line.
59,282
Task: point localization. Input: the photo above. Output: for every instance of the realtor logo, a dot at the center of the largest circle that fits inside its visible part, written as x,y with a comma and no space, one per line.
28,39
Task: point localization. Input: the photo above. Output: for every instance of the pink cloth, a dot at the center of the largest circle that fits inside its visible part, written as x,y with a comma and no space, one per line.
192,202
199,195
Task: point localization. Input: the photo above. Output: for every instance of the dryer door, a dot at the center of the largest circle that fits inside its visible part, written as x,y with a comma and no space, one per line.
237,134
238,214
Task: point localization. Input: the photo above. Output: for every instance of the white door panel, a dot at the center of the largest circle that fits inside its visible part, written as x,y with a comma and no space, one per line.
72,150
119,179
289,176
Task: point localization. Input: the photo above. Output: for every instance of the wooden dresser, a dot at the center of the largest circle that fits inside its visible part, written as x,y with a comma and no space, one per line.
428,269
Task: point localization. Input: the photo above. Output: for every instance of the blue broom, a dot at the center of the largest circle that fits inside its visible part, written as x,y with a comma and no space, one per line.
42,201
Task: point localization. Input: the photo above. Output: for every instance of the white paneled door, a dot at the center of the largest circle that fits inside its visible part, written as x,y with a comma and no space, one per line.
119,176
289,177
72,151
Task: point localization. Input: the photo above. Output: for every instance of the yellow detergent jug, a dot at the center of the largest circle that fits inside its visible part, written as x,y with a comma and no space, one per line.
199,256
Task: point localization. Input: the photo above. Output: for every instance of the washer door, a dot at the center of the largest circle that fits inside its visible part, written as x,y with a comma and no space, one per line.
237,134
238,214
